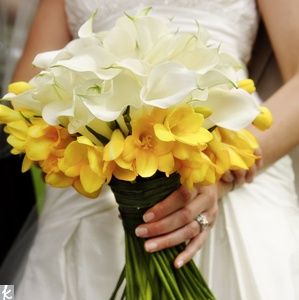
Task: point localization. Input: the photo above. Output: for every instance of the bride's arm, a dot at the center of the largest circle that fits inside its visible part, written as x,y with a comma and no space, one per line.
281,20
49,31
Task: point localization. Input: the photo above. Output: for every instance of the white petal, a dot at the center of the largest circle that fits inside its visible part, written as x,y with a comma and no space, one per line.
86,28
46,59
214,78
121,39
149,31
232,109
124,91
24,101
200,95
200,59
86,63
54,110
168,84
134,65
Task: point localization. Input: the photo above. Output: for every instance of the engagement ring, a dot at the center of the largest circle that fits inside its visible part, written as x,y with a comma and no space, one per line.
202,221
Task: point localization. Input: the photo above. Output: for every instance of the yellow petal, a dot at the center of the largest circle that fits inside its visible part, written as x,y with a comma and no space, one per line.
163,134
16,143
38,149
124,174
129,152
115,147
205,111
247,85
26,164
90,180
93,160
18,128
8,115
84,140
123,163
19,87
15,151
74,153
181,151
36,131
166,164
58,180
146,163
71,171
264,120
235,160
79,188
203,136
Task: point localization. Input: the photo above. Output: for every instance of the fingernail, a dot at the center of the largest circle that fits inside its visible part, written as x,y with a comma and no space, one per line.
141,231
148,217
150,246
179,264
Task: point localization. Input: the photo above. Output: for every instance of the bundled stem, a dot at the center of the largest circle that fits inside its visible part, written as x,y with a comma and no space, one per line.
152,276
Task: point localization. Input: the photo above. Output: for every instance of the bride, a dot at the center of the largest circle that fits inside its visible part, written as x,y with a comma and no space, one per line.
252,252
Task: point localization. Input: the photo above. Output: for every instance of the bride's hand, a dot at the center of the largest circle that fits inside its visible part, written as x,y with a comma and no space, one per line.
239,177
172,221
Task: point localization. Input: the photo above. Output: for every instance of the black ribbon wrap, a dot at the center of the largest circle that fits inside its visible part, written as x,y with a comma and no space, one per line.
134,198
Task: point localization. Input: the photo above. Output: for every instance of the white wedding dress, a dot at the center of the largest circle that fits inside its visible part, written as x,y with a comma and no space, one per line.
253,250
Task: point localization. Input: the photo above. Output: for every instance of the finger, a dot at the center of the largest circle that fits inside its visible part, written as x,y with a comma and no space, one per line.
191,249
250,174
179,218
239,176
228,177
172,203
174,238
259,162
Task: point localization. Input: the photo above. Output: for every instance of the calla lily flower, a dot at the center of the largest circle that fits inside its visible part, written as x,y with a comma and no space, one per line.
168,84
232,108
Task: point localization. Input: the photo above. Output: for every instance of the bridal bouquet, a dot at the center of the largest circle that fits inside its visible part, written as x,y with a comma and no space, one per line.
143,108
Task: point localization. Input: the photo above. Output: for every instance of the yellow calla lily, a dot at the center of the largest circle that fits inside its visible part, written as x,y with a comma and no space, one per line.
8,115
19,87
264,120
247,85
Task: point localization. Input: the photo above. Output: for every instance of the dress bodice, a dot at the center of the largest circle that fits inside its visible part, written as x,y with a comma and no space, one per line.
231,22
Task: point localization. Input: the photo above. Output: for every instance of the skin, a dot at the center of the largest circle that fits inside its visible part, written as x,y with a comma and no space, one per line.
171,221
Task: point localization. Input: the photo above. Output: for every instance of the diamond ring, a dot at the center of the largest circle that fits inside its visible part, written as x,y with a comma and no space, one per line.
202,221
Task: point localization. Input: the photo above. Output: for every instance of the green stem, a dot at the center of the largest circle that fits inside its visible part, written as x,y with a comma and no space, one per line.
118,285
166,267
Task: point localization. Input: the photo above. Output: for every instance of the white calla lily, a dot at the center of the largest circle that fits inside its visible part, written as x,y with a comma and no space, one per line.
46,59
232,109
136,66
140,63
168,84
215,77
200,59
24,101
121,40
149,30
86,29
122,91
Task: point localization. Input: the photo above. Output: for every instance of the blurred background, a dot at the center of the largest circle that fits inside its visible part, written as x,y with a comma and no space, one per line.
17,189
8,10
15,20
